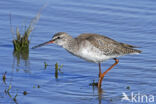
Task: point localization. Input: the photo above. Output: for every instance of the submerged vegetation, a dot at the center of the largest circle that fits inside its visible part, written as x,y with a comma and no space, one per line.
7,89
93,83
21,51
38,86
128,87
21,38
4,77
45,65
25,93
58,69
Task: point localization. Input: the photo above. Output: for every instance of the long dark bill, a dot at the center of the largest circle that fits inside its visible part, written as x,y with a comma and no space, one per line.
45,43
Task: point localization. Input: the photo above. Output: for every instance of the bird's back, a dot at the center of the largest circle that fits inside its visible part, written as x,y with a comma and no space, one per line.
107,45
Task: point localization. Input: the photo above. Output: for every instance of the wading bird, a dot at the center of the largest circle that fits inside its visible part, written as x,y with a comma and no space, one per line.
93,48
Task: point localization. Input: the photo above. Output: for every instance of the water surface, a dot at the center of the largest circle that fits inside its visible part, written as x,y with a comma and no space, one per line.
129,21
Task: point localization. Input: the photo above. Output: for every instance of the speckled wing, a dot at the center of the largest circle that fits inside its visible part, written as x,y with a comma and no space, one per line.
109,46
104,44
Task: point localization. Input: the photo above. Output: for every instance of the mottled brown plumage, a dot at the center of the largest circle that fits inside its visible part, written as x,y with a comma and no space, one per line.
107,45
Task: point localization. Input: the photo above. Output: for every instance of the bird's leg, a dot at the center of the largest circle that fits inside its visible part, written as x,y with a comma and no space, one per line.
104,73
99,69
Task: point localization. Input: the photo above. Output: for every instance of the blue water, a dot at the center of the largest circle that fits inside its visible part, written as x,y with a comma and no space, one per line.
129,21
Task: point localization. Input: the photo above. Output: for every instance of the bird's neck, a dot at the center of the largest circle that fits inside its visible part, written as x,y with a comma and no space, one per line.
71,45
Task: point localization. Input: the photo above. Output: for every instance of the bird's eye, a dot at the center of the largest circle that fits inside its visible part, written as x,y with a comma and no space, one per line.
58,37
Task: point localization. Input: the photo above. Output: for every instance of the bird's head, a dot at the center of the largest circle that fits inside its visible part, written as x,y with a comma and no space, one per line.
60,38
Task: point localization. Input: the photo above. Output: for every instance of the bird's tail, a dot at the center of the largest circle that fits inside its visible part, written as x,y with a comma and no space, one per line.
130,49
133,51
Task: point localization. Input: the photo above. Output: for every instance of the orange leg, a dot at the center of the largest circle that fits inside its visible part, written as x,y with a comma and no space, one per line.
101,75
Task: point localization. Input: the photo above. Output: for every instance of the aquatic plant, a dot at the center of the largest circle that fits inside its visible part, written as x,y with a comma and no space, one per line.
93,83
128,87
22,42
57,68
45,65
21,39
38,86
4,77
7,90
25,93
14,99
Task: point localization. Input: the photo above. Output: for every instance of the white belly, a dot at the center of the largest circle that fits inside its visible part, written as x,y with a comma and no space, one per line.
93,54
